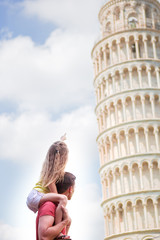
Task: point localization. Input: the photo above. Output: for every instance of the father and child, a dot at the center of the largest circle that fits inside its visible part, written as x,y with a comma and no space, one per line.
49,196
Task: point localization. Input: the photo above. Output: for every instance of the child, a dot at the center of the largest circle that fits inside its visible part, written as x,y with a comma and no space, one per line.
52,172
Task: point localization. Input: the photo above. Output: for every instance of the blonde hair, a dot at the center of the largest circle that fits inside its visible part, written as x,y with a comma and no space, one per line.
54,164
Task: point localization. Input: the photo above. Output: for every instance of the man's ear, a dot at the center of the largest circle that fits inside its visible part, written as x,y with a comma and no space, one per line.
70,189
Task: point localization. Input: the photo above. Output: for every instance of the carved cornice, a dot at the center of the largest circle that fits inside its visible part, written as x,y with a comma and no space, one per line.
115,2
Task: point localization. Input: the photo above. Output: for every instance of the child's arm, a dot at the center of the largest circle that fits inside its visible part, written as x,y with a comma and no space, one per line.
53,196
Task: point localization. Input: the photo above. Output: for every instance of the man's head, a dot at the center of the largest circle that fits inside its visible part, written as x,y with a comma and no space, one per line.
66,186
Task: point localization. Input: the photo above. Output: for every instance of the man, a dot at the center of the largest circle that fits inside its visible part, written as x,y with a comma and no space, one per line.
45,228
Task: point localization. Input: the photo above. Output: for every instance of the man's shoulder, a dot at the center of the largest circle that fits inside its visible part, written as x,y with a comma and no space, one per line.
48,203
47,208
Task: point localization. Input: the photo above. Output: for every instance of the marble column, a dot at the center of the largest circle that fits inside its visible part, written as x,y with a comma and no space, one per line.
152,105
133,108
119,51
151,176
135,218
143,107
149,77
140,77
137,140
105,57
127,48
110,52
154,48
156,214
157,76
146,47
137,48
130,78
141,177
147,140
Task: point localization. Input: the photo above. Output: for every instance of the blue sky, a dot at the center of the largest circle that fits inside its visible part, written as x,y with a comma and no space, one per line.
13,20
46,90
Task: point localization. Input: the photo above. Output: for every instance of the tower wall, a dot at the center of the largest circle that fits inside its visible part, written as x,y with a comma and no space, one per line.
127,86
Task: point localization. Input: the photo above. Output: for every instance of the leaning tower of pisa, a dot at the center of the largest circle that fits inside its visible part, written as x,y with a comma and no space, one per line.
127,84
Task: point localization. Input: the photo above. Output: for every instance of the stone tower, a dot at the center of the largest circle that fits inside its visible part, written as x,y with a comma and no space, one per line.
127,84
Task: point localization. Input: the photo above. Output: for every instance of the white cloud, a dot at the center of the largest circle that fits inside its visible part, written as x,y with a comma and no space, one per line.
53,77
71,14
5,33
8,232
27,132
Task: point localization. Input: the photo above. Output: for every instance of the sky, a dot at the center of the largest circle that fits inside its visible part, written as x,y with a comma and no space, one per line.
46,90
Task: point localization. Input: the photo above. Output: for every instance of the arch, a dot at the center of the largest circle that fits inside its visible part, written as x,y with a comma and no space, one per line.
156,15
108,28
146,175
158,205
129,109
135,77
157,105
150,214
112,114
156,175
140,214
148,11
126,179
138,107
123,143
157,42
136,177
119,111
116,13
108,145
153,76
118,183
132,47
132,141
148,238
117,81
132,20
126,83
121,217
111,184
142,140
115,146
141,46
114,218
123,49
151,138
144,76
148,107
150,46
110,84
114,51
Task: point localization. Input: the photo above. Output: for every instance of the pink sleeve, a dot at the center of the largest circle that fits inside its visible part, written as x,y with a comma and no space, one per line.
48,208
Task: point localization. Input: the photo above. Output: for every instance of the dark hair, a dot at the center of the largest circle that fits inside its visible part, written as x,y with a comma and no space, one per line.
66,182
